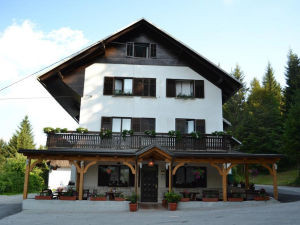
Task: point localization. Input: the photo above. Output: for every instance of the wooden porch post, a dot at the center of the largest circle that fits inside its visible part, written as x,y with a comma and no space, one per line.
170,177
136,178
77,181
81,180
224,182
246,176
275,189
26,179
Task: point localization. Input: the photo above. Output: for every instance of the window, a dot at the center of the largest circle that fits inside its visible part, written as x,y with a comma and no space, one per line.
143,124
188,88
115,176
118,124
141,50
189,177
144,87
129,86
187,126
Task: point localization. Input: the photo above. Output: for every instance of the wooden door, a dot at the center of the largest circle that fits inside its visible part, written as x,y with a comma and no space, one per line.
149,183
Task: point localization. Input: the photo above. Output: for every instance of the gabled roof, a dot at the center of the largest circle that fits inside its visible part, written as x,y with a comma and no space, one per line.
227,83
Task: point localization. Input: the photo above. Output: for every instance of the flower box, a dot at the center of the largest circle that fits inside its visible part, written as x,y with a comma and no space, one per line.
235,199
185,199
210,199
37,197
261,198
70,198
98,198
119,199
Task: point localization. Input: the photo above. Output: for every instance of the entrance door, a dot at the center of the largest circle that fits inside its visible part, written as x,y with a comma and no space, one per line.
149,184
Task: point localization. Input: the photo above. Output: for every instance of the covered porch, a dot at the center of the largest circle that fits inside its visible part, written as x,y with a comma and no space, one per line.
158,163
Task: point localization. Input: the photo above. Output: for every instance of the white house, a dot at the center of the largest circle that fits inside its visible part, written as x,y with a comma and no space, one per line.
161,100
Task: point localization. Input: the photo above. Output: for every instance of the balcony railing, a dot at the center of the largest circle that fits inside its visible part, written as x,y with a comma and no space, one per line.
93,140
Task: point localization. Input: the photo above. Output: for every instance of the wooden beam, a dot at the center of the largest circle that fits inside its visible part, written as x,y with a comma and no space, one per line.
177,167
246,173
26,179
275,188
268,167
89,165
224,183
130,166
34,164
218,168
84,158
170,177
81,180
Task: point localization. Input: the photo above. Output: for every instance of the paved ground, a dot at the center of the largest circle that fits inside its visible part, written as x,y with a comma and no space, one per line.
285,194
287,213
275,214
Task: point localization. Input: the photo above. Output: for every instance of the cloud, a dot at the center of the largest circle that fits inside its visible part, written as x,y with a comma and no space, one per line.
25,49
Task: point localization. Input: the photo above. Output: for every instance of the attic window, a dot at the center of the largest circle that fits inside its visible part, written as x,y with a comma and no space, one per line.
141,50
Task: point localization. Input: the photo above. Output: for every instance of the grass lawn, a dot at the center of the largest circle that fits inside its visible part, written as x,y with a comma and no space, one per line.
285,178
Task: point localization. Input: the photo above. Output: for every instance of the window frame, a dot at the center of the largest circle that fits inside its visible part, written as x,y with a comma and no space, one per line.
119,167
195,124
150,48
198,88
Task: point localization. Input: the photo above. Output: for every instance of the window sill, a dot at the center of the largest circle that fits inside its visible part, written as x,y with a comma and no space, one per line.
186,98
130,96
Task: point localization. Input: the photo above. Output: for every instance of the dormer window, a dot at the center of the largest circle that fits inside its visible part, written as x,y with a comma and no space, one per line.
141,50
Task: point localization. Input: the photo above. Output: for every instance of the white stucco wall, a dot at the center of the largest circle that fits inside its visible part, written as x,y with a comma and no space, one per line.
59,178
94,104
214,181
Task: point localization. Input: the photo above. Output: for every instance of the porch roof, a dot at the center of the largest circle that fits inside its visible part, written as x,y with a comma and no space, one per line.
64,152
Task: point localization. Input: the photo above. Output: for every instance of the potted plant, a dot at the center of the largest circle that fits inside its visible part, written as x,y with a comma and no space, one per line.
44,195
186,195
133,202
69,195
262,196
98,197
81,130
64,130
150,133
236,197
105,134
119,197
126,133
176,134
172,199
48,130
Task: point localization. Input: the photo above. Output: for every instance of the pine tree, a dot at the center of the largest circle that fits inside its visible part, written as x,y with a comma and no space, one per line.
234,108
270,84
291,135
292,79
23,138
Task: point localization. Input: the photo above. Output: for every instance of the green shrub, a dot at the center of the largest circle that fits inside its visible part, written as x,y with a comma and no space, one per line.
172,197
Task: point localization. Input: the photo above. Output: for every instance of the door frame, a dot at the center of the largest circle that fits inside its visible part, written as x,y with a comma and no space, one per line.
142,174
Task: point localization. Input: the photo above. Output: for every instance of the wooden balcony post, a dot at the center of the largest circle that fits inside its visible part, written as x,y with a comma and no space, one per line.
81,180
246,172
26,179
275,188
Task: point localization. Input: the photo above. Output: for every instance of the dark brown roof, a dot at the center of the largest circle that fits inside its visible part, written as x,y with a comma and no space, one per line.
52,81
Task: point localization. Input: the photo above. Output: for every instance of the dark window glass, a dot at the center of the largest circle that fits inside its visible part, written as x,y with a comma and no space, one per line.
146,87
200,126
140,50
181,125
129,47
153,50
153,87
106,123
189,177
114,176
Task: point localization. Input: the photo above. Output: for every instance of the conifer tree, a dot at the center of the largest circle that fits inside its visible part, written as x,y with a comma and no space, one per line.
23,138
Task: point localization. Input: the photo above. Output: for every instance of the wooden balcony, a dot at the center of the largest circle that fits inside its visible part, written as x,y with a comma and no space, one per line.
92,140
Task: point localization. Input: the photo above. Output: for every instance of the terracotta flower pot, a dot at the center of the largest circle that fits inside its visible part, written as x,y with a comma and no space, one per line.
37,197
261,198
172,206
235,199
133,207
210,199
98,198
185,199
71,198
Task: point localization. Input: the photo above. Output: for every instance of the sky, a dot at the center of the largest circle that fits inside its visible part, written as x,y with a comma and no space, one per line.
35,34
